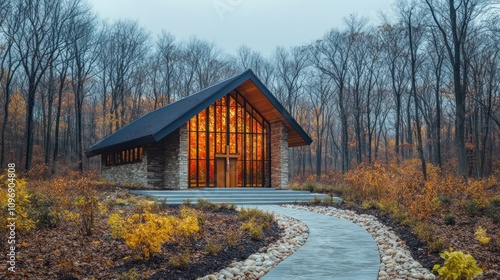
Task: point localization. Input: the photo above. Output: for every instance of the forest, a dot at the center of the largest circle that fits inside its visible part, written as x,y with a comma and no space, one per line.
422,84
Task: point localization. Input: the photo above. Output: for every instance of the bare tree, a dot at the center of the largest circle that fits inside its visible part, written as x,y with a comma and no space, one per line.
126,47
413,22
320,93
290,75
84,52
397,62
36,44
165,69
455,21
250,59
331,56
9,63
358,67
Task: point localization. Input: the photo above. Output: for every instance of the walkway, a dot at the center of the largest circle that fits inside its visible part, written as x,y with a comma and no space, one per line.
335,249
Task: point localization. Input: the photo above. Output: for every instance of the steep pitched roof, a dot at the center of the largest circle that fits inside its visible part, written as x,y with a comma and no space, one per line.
157,124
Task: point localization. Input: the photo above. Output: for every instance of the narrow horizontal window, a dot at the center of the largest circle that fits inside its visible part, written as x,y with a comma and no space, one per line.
128,156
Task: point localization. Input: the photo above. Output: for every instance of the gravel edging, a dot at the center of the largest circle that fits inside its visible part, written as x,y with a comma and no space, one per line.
294,235
396,261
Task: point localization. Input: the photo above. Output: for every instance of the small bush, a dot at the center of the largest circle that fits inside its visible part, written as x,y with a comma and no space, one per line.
436,244
339,189
41,211
87,210
226,205
445,199
449,219
181,260
327,200
232,238
255,221
457,265
426,233
482,236
204,204
492,210
261,217
24,222
472,208
315,201
147,205
393,209
310,186
213,247
187,203
132,274
145,233
253,228
369,204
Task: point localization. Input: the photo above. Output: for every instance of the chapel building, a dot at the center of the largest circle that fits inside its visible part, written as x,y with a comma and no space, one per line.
232,134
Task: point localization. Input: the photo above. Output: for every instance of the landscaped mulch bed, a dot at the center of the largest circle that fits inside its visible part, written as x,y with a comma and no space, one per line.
64,253
459,236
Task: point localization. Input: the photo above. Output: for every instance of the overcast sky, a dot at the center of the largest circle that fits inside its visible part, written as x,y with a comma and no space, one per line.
260,24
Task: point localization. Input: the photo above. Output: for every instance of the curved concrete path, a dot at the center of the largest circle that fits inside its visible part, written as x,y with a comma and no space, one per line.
335,249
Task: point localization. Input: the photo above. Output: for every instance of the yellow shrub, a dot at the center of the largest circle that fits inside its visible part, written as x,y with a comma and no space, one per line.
254,228
145,233
189,223
457,265
116,222
481,236
70,217
19,200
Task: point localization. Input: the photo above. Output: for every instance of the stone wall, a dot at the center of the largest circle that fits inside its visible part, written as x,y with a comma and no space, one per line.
164,165
175,168
156,165
279,156
126,174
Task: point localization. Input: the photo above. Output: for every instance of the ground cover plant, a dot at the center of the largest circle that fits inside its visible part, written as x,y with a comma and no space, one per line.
77,227
431,216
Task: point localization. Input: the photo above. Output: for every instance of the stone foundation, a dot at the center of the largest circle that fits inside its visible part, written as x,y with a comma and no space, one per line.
279,156
127,174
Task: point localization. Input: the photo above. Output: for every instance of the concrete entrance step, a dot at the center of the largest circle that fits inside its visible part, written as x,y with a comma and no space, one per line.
239,196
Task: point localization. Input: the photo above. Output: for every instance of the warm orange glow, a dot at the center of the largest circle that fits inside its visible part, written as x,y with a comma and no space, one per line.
232,122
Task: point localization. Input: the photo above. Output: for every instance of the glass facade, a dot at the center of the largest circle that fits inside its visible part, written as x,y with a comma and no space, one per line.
234,123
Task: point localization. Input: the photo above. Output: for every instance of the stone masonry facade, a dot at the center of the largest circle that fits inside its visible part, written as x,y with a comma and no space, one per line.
279,156
175,169
126,174
164,165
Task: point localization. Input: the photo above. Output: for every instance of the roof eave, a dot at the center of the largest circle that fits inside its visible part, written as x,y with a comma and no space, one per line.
203,105
121,146
282,110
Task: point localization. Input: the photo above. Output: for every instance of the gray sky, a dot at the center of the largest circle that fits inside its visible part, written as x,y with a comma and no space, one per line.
262,25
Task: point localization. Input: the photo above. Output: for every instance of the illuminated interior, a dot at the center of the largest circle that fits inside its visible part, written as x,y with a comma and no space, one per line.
233,122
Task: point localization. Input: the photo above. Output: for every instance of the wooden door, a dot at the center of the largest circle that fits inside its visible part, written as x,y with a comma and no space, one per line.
226,177
220,172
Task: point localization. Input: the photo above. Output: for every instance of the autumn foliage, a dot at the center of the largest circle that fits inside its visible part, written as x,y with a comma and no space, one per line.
145,233
403,187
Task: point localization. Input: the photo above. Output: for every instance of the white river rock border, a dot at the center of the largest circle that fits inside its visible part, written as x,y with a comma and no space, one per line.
293,236
396,261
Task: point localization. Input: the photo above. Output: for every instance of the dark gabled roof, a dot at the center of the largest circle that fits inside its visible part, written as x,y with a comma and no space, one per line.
157,124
